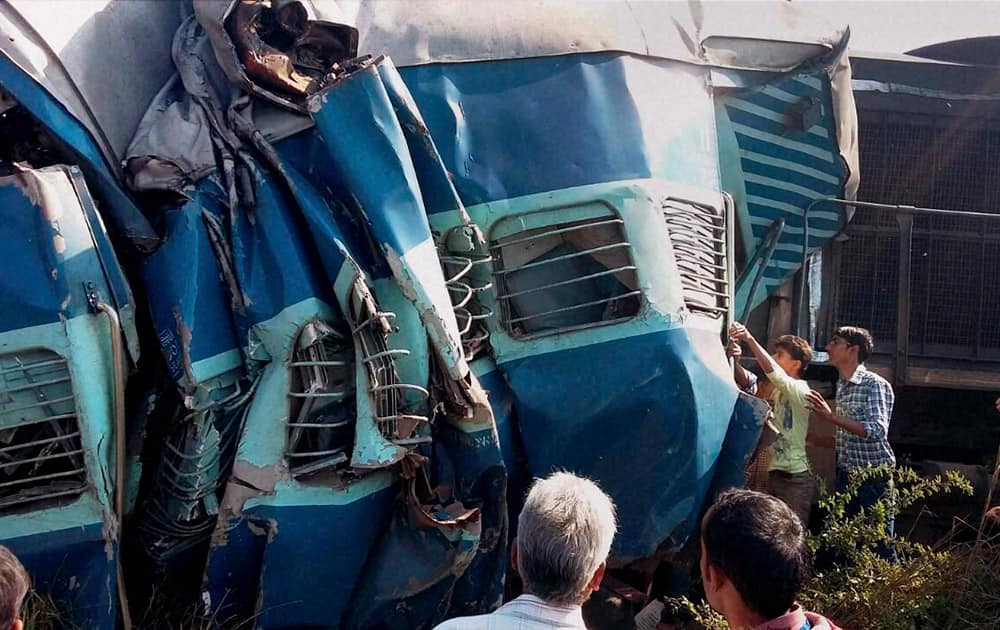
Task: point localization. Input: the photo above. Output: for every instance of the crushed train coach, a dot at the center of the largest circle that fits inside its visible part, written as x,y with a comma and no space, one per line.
315,294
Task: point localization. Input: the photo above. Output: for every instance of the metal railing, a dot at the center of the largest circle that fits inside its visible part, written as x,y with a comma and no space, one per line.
925,290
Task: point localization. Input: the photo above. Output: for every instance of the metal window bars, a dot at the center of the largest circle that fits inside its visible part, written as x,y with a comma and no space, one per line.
565,276
321,399
466,270
698,234
400,408
41,453
195,462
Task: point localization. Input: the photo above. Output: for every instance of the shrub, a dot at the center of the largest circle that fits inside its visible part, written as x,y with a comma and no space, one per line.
942,586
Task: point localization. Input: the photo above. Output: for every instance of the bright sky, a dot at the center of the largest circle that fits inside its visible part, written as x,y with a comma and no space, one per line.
900,25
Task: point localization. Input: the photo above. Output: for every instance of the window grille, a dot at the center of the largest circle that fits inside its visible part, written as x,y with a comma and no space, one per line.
698,235
41,456
563,276
323,410
321,424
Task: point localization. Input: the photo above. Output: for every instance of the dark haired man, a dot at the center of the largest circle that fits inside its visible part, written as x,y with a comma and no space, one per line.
13,588
754,561
863,410
788,475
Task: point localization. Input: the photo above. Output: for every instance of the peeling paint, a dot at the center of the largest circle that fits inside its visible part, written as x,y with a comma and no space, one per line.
185,350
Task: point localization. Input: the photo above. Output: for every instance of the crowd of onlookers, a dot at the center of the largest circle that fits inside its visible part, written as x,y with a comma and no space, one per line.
754,557
754,560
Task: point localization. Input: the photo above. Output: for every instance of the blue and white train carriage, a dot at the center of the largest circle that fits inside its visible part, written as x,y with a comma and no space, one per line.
375,295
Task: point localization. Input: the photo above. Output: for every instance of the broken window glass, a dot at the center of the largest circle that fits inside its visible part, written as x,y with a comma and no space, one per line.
698,235
41,457
558,277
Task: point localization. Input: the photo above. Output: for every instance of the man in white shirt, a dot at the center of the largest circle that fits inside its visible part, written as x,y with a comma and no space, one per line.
564,535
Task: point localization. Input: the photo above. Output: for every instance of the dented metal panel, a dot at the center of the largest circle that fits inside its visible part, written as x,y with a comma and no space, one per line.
381,300
57,475
649,378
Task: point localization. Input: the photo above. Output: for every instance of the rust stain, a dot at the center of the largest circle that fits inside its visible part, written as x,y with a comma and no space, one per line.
185,335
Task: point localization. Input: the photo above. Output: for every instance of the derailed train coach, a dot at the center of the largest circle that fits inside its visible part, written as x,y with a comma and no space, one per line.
299,297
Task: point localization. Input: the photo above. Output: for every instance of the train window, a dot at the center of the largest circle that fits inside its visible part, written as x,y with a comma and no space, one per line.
557,277
41,456
321,420
698,235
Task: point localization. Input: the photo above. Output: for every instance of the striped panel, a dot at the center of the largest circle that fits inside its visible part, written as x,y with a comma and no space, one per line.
784,168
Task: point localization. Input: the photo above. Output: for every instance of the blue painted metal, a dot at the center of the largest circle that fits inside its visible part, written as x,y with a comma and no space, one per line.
506,129
293,234
358,109
785,138
655,405
68,541
72,565
192,311
103,177
658,383
344,228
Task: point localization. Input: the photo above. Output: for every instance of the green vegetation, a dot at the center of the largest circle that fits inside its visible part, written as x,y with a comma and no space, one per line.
952,584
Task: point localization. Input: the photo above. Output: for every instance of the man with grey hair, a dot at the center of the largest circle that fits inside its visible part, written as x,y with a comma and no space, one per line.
14,584
564,535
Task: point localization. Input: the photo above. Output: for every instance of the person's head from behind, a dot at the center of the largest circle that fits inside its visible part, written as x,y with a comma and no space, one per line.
564,535
13,588
793,354
850,345
754,557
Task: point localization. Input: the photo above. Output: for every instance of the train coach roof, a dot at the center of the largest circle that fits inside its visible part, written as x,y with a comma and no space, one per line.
763,35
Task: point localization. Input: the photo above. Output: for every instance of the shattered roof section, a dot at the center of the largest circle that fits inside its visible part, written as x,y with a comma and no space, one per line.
772,36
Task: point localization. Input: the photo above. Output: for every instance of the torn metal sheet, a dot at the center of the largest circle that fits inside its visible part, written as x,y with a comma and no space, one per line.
385,185
439,543
375,287
277,50
297,274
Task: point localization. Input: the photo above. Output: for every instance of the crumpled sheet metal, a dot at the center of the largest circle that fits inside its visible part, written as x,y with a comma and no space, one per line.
263,510
271,209
118,210
191,306
355,110
421,554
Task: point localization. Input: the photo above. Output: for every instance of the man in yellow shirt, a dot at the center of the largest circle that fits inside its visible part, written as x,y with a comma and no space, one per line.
789,477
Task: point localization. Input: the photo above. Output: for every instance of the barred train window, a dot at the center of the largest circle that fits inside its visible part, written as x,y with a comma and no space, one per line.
41,457
321,418
698,235
554,277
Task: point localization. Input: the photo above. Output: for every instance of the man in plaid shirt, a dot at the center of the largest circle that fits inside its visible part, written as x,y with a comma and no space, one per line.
863,409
